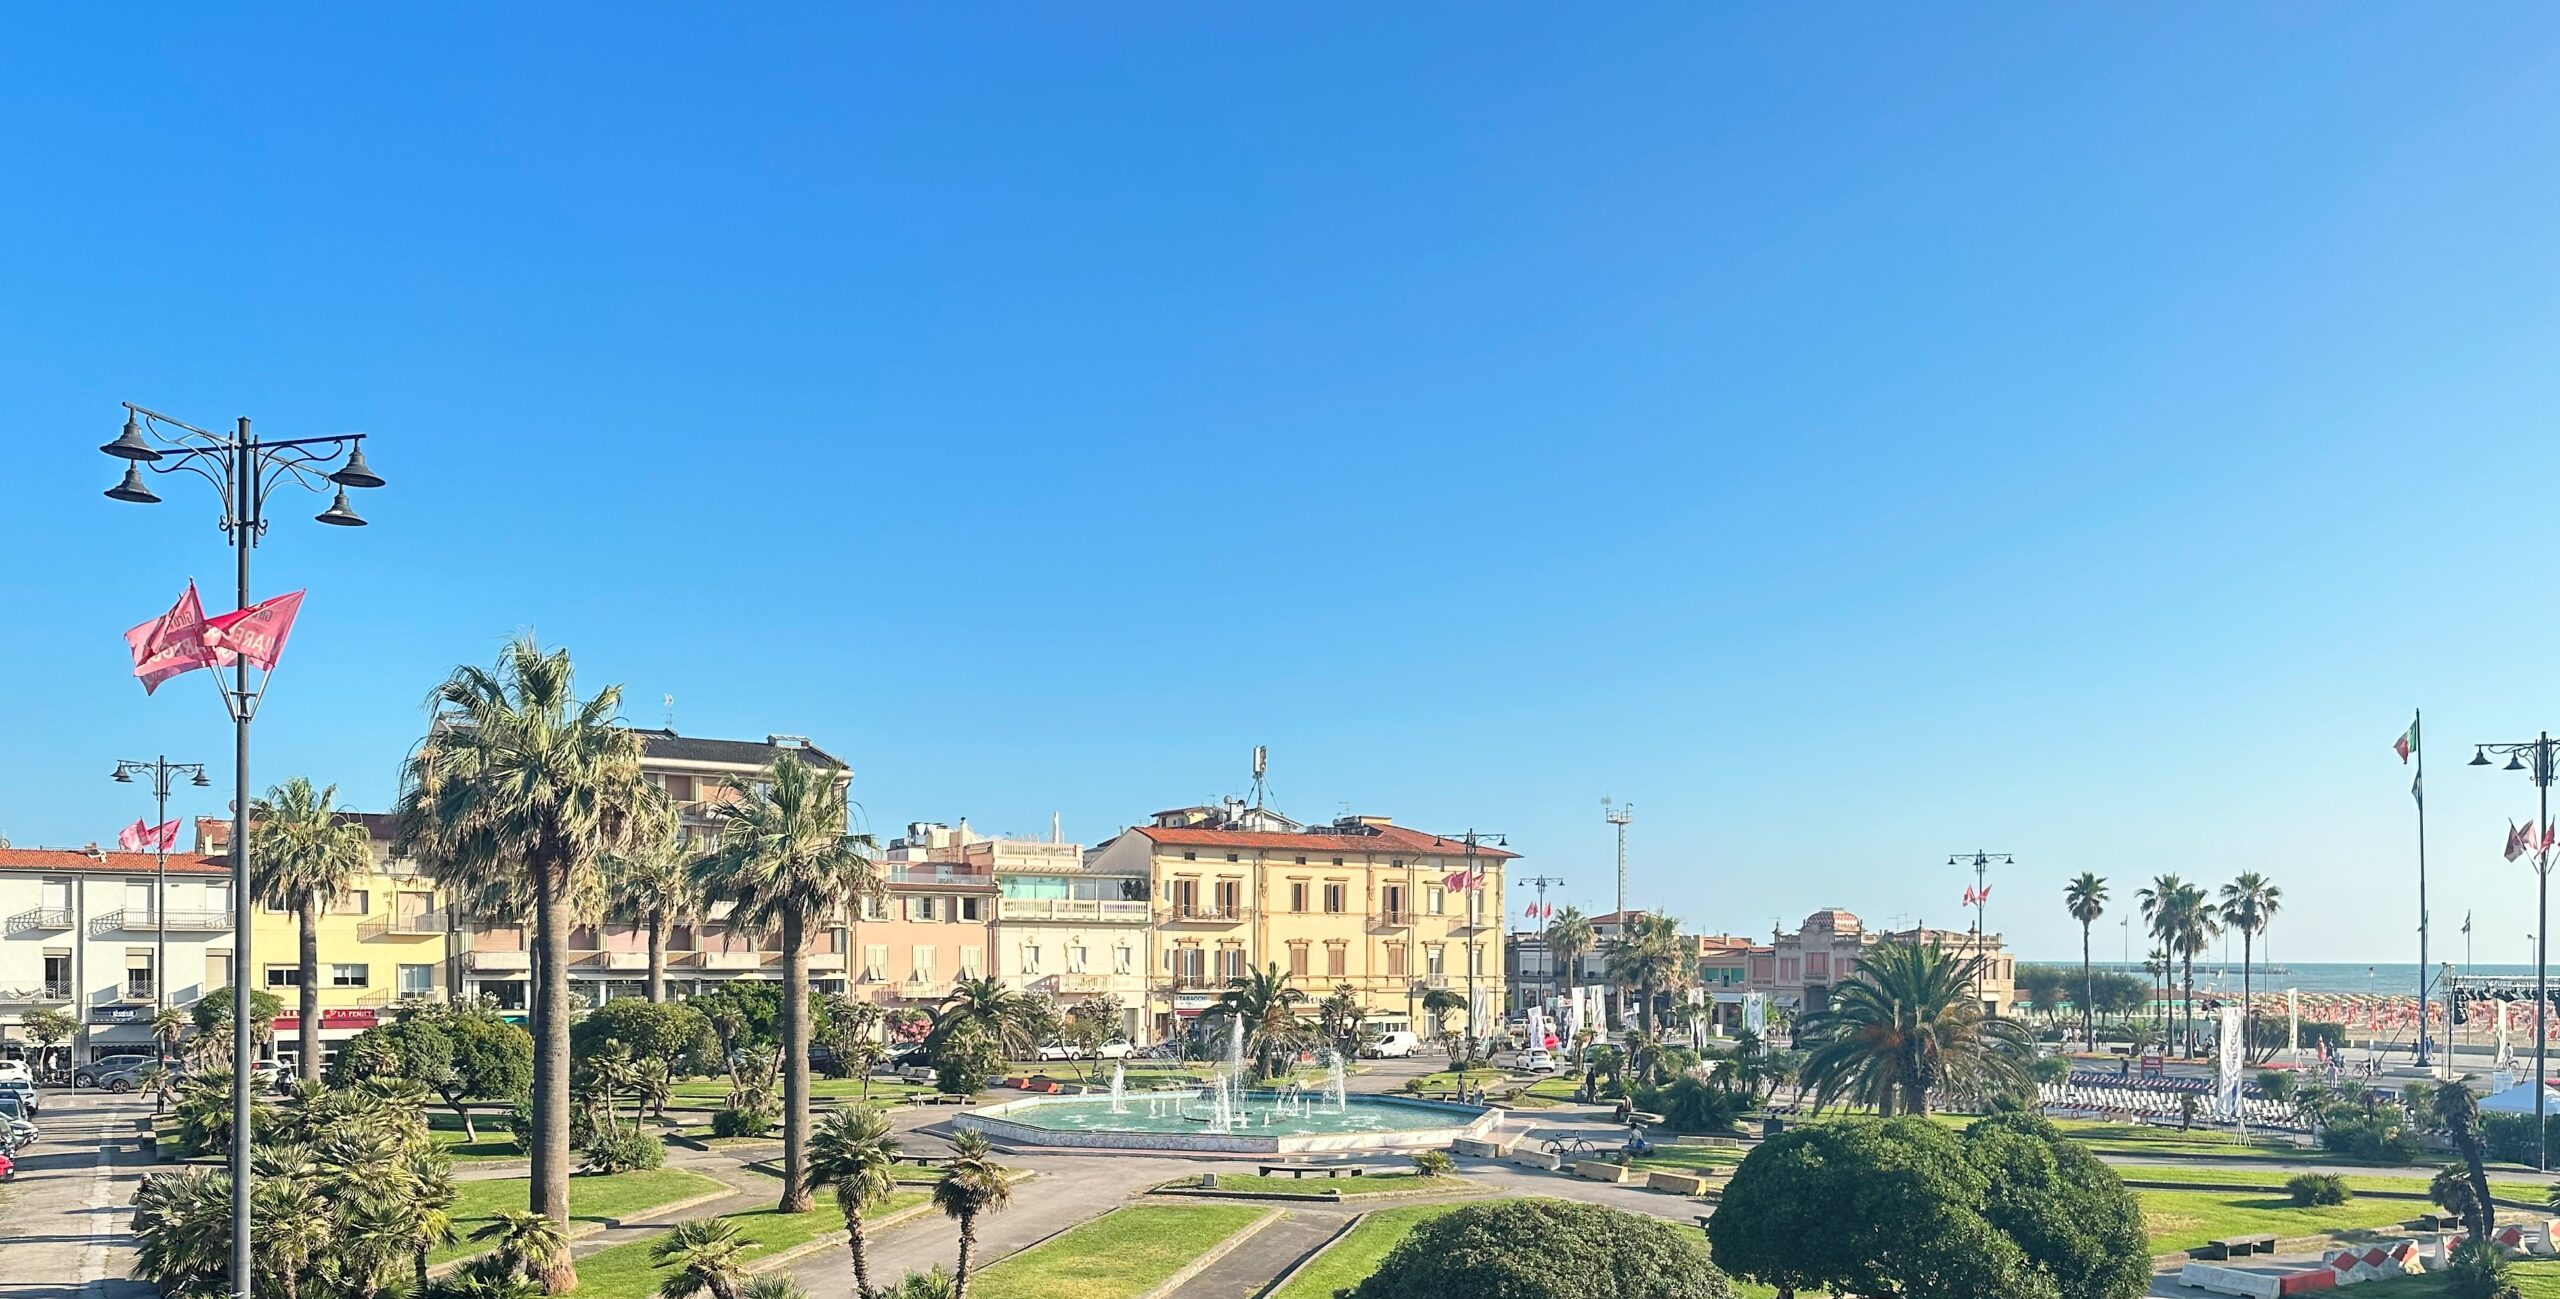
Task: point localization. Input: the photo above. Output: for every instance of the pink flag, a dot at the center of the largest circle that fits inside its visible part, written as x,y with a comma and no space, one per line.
2515,841
1970,897
164,836
173,643
256,633
133,837
1984,895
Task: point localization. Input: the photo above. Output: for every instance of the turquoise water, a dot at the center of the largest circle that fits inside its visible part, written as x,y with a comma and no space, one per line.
1263,1115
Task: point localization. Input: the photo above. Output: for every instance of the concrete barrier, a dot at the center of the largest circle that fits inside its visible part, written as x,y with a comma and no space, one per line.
1489,1148
2381,1260
1681,1183
2256,1282
1603,1170
1537,1159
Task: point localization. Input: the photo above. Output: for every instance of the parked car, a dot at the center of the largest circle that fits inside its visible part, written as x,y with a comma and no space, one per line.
17,1118
130,1077
1061,1051
90,1074
15,1071
25,1092
1117,1048
1392,1046
1535,1062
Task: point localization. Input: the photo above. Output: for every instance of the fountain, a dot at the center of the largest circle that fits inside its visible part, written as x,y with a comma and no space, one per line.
1333,1084
1119,1088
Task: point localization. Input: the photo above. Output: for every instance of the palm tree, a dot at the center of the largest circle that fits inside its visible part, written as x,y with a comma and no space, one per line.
986,1006
706,1253
931,1284
2086,899
1568,938
293,1226
2191,933
522,1242
971,1185
652,887
303,857
1648,958
517,792
771,1287
2248,904
1905,1022
854,1153
786,863
2172,908
1268,1008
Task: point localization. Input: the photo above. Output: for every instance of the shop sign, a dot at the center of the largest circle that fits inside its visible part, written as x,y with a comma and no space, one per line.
344,1017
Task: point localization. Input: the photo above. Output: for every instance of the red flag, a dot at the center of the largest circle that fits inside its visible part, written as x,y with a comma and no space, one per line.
2515,841
1970,897
256,633
165,836
133,837
173,643
1984,895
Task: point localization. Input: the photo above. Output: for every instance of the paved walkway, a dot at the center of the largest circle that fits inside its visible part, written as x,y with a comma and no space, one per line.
64,1218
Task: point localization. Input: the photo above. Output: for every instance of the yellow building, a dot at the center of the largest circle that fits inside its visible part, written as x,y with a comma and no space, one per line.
1361,903
388,940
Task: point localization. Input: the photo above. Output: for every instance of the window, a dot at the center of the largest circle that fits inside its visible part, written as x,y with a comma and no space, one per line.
57,895
1437,899
1302,861
1395,960
1431,960
923,964
138,983
1297,897
1031,959
875,907
217,970
349,976
969,908
137,899
353,902
1337,861
973,962
1230,898
1393,898
919,908
1231,856
679,788
1231,962
1188,964
284,976
1191,856
57,974
1336,960
875,962
417,980
217,898
1075,958
1298,960
1336,897
1475,958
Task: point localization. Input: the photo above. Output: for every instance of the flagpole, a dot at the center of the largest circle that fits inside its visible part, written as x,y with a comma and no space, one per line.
2418,749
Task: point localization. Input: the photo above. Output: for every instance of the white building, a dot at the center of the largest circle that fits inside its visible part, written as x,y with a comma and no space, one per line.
80,931
1061,928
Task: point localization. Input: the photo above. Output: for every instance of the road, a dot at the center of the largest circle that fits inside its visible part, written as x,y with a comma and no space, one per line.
64,1218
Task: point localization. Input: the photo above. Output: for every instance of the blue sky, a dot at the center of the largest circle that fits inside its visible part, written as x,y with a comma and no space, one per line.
1851,436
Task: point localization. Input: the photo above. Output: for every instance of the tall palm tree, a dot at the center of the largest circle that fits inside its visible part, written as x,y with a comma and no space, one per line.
294,1226
519,790
986,1006
2192,928
853,1152
706,1254
652,887
1568,938
522,1242
1648,958
2160,916
786,864
2248,904
971,1185
1905,1022
303,857
2086,899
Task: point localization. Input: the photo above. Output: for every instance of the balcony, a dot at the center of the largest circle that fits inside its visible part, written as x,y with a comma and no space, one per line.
1204,914
731,960
1108,911
589,962
139,920
426,924
40,918
1430,981
1381,921
828,961
497,962
36,995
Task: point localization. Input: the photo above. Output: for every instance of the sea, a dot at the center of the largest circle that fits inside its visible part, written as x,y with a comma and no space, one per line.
2384,978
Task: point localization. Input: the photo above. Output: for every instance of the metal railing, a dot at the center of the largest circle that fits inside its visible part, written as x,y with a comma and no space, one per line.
40,918
1205,913
1099,910
434,922
1383,919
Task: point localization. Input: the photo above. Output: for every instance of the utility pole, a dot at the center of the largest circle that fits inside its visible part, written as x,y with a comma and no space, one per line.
1619,814
1541,882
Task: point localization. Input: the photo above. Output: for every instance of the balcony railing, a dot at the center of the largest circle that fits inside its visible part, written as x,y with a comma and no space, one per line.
1391,920
1430,981
1122,911
36,995
1204,913
40,918
433,923
497,962
140,920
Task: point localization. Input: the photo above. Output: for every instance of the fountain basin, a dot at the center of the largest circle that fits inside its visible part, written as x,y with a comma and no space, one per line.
1363,1123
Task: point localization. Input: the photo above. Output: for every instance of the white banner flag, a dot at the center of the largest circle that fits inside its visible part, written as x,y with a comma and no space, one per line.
2228,1067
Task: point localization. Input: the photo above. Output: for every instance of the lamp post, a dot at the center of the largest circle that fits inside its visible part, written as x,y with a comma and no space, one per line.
160,769
1981,863
1619,814
2535,758
245,471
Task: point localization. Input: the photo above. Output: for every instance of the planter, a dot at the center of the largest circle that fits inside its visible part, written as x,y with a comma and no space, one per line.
1602,1170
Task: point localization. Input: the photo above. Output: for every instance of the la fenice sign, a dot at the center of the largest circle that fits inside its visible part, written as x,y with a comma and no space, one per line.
348,1017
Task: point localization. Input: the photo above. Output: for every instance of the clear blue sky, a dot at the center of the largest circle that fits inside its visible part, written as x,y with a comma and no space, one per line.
1853,437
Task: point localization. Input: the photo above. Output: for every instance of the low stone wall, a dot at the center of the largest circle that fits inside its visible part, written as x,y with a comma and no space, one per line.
1663,1179
1492,1146
1010,1123
1537,1159
1610,1171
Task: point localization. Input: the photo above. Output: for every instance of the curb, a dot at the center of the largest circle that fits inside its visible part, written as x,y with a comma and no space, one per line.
826,1242
1290,1273
1164,1289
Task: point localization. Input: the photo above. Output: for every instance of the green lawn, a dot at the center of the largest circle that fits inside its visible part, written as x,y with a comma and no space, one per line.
1124,1252
445,1129
591,1199
625,1272
2530,1192
1357,1254
2185,1219
715,1091
1689,1158
1364,1184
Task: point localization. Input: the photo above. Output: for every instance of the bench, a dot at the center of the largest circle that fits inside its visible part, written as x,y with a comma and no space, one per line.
1305,1170
2238,1246
921,1161
2439,1222
942,1098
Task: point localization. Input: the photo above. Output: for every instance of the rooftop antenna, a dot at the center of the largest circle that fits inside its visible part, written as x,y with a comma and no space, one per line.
670,702
1261,765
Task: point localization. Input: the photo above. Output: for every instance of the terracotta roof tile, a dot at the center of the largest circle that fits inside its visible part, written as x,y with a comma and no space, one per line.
122,863
1388,839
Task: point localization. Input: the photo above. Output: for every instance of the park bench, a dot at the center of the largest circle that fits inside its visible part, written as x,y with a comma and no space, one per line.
922,1161
2230,1247
2432,1221
943,1098
1306,1170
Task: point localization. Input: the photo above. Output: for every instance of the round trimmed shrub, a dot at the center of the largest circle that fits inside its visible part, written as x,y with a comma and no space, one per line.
1546,1249
623,1151
735,1122
2310,1190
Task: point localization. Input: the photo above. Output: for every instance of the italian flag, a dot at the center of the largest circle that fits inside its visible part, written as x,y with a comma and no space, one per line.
2408,741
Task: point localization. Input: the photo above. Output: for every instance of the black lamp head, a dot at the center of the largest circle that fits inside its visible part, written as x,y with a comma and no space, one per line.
338,513
133,488
123,777
129,445
2515,762
2479,756
201,782
356,472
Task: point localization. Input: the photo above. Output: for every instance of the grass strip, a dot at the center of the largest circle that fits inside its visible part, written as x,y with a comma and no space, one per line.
1364,1184
591,1200
625,1272
2186,1219
1121,1254
1352,1258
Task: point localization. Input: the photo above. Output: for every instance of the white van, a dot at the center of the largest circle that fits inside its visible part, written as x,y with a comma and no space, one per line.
1391,1046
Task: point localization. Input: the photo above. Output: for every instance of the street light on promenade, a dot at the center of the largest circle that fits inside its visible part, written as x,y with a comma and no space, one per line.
245,471
160,770
2535,758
